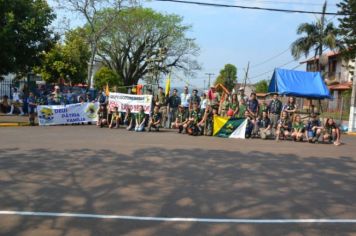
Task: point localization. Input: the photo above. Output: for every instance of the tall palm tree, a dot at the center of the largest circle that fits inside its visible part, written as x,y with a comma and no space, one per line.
318,35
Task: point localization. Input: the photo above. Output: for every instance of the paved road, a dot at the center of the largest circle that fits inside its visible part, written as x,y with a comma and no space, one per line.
85,169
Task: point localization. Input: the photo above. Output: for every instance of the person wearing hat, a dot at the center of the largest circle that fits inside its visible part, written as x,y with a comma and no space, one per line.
181,119
173,103
274,110
161,102
241,94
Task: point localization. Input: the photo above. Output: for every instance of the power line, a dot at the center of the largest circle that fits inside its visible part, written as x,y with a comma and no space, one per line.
271,58
283,3
253,8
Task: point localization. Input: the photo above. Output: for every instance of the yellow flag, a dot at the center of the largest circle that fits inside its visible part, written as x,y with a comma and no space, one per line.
168,84
107,90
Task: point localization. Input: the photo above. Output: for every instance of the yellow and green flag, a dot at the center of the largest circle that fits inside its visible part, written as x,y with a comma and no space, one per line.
229,127
168,84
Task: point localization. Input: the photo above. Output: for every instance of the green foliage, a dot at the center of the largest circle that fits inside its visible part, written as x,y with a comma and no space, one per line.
262,86
67,61
106,76
131,44
348,27
24,34
227,76
317,35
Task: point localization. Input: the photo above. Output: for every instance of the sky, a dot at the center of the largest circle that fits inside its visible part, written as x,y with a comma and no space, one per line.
238,36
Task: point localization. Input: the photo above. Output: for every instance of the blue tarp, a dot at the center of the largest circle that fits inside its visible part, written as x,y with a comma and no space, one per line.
299,84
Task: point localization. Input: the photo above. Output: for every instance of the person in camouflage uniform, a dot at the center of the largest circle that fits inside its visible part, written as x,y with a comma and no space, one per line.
155,119
195,117
161,101
206,124
181,119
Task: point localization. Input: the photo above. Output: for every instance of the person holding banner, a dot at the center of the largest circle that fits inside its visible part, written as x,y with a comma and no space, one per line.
155,119
140,120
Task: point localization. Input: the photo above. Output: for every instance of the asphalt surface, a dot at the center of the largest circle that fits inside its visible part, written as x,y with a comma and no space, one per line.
84,169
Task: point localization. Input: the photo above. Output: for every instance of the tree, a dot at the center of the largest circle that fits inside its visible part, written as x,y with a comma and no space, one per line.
319,34
141,39
227,76
105,76
261,86
67,61
24,34
90,10
348,27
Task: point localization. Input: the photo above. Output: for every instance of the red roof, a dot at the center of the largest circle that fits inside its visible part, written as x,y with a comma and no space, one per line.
342,86
328,54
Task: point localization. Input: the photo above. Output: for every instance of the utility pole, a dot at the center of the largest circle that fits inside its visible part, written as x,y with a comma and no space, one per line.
246,75
209,74
352,118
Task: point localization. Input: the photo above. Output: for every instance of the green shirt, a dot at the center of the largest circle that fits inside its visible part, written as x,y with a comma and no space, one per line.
242,109
196,116
140,116
233,106
298,126
181,117
156,117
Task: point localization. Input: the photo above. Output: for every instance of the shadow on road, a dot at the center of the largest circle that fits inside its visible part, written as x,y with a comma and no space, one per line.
175,183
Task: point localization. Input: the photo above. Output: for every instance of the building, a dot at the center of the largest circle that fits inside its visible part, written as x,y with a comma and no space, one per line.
336,72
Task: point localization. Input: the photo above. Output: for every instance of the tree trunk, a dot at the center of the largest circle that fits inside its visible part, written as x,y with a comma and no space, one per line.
91,65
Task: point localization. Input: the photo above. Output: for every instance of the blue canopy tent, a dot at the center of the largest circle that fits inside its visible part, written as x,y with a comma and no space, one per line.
298,84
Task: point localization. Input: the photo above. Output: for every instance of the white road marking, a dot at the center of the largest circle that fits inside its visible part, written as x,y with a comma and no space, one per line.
178,219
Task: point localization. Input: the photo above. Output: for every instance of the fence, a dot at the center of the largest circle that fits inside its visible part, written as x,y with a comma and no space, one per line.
6,87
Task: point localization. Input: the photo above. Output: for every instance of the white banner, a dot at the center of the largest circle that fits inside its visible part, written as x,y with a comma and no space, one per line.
68,114
123,101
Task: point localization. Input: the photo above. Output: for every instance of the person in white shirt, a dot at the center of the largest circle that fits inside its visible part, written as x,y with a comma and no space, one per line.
204,103
16,102
185,99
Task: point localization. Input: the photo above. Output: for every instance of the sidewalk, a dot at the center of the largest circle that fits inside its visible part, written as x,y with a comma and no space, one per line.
13,120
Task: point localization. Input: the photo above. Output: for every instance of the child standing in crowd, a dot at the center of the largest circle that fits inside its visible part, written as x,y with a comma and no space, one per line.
290,107
283,127
331,132
181,119
129,120
298,129
224,106
314,129
274,111
155,119
31,100
140,120
249,126
234,105
242,108
115,118
102,116
204,103
264,126
252,106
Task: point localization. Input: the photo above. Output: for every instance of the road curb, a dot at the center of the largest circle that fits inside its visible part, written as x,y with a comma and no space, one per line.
13,124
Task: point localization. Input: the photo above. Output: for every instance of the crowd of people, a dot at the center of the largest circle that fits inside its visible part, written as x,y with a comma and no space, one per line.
194,115
190,113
